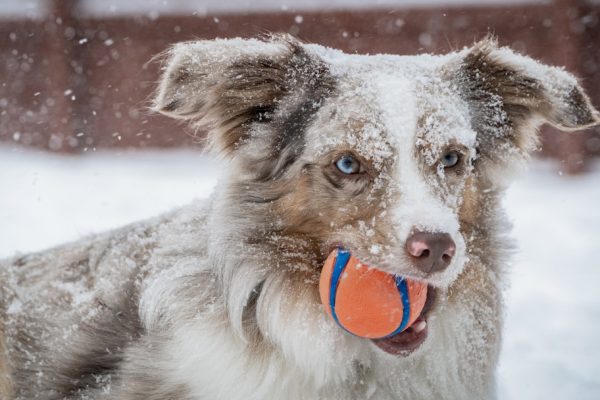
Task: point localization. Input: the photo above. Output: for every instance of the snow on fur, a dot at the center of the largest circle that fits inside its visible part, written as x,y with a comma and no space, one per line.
220,297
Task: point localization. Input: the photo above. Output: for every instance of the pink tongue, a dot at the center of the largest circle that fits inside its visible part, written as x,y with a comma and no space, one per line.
406,341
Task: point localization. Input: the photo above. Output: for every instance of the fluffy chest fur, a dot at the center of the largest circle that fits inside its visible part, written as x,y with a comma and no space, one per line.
219,300
281,345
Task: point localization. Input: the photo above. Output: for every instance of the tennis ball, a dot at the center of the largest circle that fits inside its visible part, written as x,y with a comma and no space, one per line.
368,302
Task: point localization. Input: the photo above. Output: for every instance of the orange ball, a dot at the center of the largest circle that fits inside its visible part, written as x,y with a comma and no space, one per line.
368,302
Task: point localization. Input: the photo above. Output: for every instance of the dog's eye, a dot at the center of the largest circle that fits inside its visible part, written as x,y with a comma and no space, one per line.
348,165
450,159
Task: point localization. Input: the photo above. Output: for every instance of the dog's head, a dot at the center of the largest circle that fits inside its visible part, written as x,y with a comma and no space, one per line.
384,155
398,159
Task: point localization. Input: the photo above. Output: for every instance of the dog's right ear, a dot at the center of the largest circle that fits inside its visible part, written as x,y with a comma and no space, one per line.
511,95
228,85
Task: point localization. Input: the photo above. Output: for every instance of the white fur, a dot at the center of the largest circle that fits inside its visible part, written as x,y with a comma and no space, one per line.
307,355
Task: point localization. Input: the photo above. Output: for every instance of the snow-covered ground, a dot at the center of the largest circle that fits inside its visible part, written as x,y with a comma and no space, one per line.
552,346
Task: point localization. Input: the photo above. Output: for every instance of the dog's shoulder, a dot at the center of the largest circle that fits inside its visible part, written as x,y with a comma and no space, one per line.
56,304
116,250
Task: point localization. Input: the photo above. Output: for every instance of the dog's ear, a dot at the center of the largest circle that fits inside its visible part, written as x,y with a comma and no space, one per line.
230,85
510,95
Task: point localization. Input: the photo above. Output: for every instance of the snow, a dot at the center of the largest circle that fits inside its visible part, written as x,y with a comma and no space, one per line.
551,345
49,199
553,319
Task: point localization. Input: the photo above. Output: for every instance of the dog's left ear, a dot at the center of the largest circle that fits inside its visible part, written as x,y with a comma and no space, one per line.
236,87
510,95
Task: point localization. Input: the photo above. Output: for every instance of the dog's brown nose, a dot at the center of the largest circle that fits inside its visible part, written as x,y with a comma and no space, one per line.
430,252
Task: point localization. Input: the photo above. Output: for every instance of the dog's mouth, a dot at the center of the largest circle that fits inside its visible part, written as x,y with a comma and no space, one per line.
409,340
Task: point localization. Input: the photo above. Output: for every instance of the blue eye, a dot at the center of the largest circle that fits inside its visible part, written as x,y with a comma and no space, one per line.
348,165
450,159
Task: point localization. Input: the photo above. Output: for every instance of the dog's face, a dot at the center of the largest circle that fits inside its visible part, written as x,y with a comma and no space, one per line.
395,158
383,170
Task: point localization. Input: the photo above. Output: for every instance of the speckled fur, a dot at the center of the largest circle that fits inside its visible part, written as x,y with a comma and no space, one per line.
219,300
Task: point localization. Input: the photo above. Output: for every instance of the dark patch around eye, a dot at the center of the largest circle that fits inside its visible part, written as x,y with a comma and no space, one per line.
258,87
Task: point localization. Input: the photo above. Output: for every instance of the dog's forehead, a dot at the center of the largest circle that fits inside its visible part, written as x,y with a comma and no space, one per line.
387,104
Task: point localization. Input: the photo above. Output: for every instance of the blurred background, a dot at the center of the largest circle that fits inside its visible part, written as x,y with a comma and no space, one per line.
80,153
76,74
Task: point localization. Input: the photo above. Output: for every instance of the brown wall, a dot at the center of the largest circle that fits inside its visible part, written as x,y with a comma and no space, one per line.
71,83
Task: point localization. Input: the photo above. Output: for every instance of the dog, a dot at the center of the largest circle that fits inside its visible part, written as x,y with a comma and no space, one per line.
402,160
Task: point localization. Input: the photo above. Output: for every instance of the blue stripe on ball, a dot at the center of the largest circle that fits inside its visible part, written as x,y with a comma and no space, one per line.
340,264
403,290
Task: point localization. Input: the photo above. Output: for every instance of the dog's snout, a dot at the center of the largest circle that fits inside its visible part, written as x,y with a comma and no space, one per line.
430,252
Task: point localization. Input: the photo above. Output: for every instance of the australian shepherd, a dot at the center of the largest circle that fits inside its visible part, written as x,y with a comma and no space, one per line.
401,160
